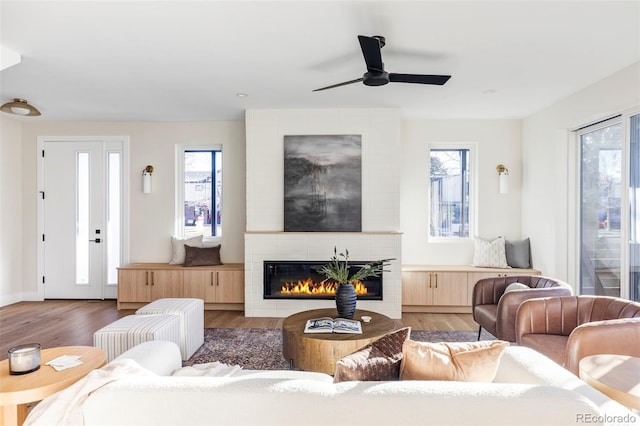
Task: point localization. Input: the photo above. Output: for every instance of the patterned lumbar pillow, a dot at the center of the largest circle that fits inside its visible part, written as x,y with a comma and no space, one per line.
178,251
460,361
490,254
377,361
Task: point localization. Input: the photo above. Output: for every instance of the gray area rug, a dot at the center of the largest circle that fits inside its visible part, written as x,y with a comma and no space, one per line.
261,348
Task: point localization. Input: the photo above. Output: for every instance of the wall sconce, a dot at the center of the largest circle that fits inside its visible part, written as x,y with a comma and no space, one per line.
503,172
146,179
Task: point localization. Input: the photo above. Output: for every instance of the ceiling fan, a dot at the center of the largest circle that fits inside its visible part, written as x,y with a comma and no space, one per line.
377,76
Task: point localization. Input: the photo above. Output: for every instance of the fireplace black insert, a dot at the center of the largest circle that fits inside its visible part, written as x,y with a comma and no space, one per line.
300,280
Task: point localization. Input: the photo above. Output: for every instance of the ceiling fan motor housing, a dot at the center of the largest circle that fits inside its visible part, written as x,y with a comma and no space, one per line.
375,79
376,75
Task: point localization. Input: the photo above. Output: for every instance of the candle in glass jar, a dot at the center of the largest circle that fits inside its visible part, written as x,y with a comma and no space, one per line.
24,358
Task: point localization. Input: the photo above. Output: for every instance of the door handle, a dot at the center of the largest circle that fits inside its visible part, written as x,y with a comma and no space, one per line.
97,240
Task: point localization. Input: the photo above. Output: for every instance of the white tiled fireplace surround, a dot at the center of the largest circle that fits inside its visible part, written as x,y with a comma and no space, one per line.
265,239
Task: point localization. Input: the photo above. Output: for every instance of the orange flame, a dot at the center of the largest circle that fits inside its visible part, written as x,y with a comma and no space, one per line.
326,288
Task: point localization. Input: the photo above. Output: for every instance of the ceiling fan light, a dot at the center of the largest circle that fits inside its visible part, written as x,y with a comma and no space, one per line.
20,107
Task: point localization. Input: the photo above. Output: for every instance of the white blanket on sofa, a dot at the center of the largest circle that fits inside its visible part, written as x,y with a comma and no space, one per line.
64,407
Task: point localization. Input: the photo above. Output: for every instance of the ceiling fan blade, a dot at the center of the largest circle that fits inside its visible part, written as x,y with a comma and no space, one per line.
419,78
357,80
371,51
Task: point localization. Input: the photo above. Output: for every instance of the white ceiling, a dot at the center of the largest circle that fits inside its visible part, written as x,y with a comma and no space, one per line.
187,60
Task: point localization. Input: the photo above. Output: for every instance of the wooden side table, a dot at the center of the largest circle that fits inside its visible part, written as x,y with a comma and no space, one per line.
617,376
17,391
320,351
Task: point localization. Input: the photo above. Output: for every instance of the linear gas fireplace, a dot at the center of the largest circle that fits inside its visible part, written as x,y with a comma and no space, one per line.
300,280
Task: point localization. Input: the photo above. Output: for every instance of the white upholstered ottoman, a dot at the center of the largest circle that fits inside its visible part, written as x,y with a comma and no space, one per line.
129,331
191,314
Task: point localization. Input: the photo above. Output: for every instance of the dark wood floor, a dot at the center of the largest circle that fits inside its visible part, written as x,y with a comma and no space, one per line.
72,322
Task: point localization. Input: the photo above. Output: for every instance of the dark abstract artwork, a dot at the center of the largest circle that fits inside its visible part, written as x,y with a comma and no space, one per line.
323,183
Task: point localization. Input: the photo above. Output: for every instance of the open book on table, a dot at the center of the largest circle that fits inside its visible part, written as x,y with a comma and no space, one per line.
331,325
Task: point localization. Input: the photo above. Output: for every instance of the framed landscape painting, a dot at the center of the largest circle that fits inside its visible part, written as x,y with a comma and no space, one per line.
323,183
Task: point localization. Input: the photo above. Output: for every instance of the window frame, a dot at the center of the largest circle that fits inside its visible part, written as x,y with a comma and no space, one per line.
471,174
179,180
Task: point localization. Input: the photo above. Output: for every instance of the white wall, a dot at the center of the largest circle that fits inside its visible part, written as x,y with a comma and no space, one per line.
265,239
10,211
496,142
152,215
549,164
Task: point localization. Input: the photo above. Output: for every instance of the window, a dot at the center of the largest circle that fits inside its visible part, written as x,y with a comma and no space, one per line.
601,187
449,201
634,207
200,197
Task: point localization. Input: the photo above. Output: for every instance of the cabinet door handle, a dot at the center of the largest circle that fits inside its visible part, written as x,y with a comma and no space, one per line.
217,279
436,280
146,278
152,280
211,279
430,279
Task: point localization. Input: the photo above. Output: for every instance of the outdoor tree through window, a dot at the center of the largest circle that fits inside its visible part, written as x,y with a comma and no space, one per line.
449,193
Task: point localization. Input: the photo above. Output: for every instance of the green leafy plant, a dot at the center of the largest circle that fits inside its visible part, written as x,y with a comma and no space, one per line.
338,268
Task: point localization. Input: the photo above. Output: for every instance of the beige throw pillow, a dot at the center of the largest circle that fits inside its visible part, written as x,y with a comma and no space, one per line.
490,254
177,248
467,362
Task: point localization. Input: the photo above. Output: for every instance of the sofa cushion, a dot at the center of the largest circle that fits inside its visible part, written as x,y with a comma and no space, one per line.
178,251
460,361
490,254
202,256
379,360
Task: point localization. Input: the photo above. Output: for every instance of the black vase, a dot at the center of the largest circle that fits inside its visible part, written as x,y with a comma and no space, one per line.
346,300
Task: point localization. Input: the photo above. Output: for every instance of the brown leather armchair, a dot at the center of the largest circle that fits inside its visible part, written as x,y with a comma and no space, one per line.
496,311
566,329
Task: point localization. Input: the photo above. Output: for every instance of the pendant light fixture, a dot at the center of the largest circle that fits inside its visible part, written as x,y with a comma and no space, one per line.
20,107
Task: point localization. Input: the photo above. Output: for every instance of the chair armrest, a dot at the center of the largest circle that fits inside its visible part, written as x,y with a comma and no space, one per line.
487,291
511,301
617,337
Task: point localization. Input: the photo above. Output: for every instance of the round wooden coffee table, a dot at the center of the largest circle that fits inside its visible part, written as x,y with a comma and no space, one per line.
320,351
17,391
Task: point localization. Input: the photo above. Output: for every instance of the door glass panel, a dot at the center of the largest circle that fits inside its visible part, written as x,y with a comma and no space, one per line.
634,208
600,208
113,217
82,218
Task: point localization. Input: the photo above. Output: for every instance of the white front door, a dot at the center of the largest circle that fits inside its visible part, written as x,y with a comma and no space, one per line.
81,218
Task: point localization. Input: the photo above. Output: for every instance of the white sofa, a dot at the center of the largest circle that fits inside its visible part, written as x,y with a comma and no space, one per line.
529,389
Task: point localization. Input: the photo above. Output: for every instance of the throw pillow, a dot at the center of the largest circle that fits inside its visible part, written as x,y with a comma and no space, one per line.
467,362
178,251
202,256
516,286
377,361
490,254
518,253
